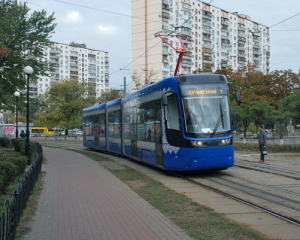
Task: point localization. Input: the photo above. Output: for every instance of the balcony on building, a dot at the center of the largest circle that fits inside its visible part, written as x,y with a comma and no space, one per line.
256,34
241,33
224,63
54,60
74,73
186,7
241,39
206,29
242,53
186,38
242,59
206,51
54,55
206,14
73,63
225,28
166,15
256,38
188,54
55,50
268,53
256,44
92,56
165,59
165,50
186,31
73,53
186,62
207,44
241,47
165,8
225,21
225,41
206,59
256,57
268,48
206,22
225,35
165,26
256,50
54,65
54,70
73,58
241,27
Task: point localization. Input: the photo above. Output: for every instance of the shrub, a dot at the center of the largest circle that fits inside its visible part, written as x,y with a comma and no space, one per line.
17,143
20,161
32,150
5,142
8,172
270,147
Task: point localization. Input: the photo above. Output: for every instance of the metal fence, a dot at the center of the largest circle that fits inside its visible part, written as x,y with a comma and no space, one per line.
12,211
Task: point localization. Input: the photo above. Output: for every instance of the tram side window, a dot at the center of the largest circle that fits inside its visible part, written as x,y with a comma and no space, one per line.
146,122
172,113
92,125
102,125
114,124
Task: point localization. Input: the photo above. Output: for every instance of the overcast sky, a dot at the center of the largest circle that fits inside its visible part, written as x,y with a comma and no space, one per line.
112,32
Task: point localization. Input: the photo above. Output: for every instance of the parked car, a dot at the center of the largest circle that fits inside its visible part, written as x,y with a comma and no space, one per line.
79,132
248,135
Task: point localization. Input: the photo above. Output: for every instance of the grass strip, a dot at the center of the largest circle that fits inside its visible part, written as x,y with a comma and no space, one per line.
196,220
32,205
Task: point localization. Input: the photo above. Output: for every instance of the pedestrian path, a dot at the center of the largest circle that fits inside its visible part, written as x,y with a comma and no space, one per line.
82,200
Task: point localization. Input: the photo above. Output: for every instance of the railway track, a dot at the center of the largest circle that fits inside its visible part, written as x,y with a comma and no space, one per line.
285,171
279,202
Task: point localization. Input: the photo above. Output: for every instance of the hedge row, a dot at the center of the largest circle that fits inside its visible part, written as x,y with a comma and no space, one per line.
19,146
10,168
5,142
270,147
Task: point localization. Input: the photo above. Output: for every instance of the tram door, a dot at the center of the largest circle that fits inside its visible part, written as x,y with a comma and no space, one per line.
134,133
158,137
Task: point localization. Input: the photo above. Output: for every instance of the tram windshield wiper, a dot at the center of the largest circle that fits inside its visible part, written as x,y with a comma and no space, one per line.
220,119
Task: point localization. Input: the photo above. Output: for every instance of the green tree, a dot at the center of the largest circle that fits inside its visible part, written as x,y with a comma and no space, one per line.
290,106
65,101
260,111
23,37
109,96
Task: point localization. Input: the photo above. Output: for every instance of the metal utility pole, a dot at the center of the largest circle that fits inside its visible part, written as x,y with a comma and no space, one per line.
124,86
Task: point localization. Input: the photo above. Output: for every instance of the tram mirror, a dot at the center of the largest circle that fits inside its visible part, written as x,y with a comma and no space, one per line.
238,97
164,100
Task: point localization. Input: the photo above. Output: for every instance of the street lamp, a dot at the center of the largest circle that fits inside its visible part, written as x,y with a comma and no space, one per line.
28,71
17,94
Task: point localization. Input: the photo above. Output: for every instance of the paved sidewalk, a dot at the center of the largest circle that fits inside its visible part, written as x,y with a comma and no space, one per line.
82,200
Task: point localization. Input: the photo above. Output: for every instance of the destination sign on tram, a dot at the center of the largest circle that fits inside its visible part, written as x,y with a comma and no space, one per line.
202,90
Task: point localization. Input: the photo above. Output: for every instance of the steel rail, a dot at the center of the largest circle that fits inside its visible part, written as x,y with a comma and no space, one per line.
240,200
265,185
284,174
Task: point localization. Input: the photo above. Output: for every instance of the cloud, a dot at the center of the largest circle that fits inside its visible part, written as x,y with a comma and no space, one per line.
106,29
74,17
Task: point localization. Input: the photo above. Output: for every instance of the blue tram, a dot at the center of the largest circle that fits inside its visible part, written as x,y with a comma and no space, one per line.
180,123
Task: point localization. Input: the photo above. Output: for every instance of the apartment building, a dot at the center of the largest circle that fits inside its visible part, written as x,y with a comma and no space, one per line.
74,61
211,35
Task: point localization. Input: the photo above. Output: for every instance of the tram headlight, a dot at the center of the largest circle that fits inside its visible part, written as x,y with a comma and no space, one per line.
225,141
197,144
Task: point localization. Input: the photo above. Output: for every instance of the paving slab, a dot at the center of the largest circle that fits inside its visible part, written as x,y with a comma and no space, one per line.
83,200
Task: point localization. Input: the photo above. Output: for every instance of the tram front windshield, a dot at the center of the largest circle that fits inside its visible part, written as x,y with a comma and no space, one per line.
205,109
